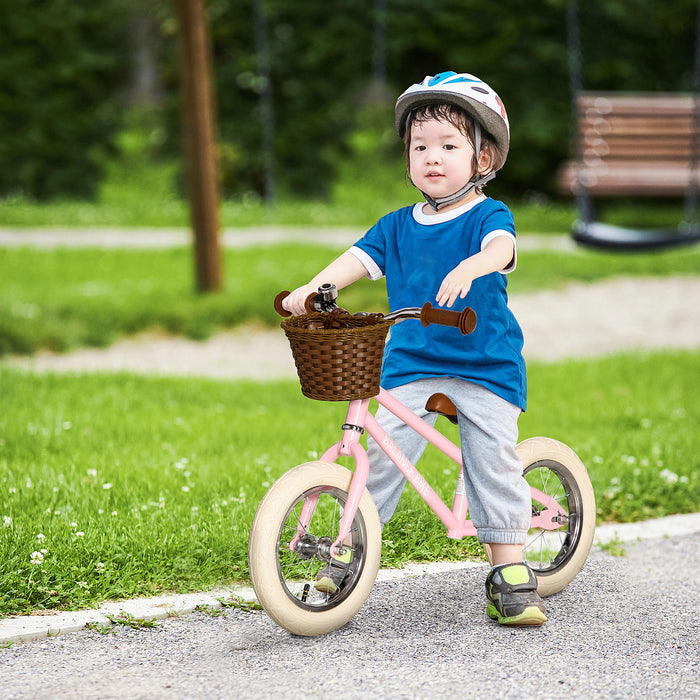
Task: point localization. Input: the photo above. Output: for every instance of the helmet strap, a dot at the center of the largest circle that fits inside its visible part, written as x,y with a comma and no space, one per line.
442,202
476,180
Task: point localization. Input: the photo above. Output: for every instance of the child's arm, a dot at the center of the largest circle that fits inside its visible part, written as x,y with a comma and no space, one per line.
495,256
342,272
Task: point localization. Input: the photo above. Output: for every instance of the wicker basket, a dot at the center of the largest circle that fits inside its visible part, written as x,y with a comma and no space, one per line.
341,363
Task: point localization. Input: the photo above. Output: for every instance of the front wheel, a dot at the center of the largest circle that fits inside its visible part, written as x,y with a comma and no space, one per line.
557,555
294,526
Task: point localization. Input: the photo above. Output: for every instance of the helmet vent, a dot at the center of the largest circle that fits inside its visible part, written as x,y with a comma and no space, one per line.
476,88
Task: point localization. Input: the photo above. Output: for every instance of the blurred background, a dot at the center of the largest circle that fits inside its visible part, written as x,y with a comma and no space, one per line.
90,106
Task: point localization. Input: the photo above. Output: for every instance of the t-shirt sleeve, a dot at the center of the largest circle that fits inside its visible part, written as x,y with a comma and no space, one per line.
500,223
371,250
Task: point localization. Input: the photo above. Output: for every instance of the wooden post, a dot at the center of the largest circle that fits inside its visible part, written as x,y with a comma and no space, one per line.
200,142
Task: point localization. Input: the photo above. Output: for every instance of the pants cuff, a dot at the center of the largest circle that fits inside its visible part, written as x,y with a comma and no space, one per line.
496,536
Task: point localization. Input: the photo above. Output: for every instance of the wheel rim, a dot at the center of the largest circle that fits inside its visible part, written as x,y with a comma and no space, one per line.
546,551
299,569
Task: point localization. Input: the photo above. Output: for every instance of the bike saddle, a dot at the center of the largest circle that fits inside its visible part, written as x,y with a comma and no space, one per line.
439,403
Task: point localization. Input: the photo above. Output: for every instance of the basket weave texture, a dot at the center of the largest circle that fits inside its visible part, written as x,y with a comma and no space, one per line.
337,364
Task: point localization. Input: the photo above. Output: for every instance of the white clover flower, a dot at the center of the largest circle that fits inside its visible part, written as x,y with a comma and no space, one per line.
7,521
92,473
80,533
185,489
668,476
99,567
36,558
41,537
107,486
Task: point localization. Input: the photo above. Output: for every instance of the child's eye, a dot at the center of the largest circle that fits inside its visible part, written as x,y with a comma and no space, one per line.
448,147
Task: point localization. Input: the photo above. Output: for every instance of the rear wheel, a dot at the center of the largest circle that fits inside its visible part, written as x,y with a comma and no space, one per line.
557,555
285,558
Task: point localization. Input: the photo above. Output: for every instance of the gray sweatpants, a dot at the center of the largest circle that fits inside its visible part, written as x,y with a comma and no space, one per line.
498,495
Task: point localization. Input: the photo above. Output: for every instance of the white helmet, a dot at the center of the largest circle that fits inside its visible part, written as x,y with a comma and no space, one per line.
465,91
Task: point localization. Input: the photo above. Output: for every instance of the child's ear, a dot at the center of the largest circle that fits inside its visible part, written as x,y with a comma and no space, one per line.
485,159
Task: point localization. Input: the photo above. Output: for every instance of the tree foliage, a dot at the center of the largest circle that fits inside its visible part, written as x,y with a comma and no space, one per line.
64,62
322,83
61,64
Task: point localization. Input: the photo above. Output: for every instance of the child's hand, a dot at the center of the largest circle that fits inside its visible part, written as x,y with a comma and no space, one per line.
294,303
456,284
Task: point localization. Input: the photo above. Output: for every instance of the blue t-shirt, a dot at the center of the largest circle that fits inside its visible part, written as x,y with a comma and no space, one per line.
415,252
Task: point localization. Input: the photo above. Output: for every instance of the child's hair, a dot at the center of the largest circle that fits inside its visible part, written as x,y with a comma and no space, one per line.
460,120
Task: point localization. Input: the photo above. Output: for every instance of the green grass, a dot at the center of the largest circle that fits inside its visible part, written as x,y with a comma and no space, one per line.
129,486
64,298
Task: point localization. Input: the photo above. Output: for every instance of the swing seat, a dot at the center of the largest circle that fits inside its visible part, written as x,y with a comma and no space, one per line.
640,145
595,234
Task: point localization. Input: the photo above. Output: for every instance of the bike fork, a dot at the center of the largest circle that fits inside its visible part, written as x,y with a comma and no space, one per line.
349,446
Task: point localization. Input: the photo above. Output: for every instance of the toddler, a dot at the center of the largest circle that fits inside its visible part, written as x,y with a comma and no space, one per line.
455,248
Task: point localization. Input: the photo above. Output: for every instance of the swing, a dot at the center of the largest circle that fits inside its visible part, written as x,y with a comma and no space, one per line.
632,144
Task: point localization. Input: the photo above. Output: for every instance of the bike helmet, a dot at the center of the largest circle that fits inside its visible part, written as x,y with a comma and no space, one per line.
477,99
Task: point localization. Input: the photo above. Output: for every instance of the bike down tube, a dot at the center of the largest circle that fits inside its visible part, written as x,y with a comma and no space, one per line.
453,519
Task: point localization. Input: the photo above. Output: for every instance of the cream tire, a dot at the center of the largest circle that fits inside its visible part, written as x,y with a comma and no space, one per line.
268,542
543,452
548,454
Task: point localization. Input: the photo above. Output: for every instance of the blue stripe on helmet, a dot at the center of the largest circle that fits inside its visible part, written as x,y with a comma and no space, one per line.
440,77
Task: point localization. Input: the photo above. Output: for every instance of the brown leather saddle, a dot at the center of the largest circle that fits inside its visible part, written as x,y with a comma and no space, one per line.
439,403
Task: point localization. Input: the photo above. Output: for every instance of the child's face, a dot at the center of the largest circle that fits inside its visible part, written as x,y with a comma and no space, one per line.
441,159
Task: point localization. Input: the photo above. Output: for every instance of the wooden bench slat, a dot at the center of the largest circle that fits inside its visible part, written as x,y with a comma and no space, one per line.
633,144
657,179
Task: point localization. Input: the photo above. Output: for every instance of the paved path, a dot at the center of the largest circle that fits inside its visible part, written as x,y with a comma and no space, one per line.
626,627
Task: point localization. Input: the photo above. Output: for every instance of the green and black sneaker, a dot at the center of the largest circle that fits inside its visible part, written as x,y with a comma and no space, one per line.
331,576
513,598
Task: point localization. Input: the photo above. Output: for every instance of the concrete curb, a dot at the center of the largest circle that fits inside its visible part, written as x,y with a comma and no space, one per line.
32,627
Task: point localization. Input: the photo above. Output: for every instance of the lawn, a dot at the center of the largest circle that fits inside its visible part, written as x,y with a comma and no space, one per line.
115,485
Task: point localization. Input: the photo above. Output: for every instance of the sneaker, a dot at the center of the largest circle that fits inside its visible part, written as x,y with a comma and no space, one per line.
332,575
513,599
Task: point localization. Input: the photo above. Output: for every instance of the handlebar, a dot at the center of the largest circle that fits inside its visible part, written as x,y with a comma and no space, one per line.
324,301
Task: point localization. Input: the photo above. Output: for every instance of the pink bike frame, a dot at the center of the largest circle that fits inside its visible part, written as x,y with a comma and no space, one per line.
455,520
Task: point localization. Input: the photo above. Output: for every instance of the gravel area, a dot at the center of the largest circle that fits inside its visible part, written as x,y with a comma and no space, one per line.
626,627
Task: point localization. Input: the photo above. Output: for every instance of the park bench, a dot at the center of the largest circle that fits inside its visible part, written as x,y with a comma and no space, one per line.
632,144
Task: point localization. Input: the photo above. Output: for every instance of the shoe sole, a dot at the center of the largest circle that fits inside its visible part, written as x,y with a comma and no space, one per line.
530,617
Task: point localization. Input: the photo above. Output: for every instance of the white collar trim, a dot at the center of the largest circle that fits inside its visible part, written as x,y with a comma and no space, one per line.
441,217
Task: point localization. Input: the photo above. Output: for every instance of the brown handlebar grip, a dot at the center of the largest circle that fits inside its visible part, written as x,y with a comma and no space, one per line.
309,303
464,320
278,304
